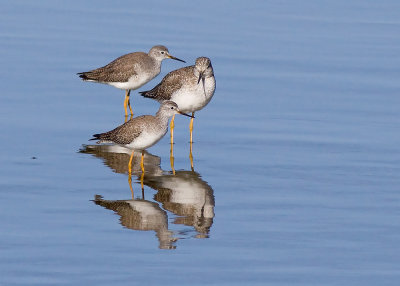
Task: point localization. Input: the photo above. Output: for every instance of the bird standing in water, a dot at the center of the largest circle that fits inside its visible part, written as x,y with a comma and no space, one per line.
130,71
141,132
190,87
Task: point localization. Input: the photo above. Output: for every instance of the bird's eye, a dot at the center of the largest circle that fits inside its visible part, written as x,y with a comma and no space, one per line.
162,52
172,107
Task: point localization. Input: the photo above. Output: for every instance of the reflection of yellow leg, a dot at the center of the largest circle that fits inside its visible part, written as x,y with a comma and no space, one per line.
172,159
191,128
141,184
130,163
130,174
141,162
172,125
130,185
191,156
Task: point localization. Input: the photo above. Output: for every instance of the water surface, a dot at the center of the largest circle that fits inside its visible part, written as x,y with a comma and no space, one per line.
295,160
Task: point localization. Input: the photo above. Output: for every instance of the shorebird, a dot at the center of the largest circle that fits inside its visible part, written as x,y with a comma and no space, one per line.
183,87
130,71
141,132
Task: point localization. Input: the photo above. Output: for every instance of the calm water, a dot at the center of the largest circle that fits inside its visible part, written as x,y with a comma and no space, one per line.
296,161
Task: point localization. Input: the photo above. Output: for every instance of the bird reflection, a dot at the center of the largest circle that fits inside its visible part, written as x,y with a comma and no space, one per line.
184,193
117,158
143,215
189,197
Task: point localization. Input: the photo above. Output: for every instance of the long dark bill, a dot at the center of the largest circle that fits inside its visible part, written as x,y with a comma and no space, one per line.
171,57
180,112
201,76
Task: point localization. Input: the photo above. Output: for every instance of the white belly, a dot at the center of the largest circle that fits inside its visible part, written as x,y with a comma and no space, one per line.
192,98
146,140
135,81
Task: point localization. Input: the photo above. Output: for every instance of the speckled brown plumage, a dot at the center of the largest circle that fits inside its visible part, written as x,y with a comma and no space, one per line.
141,66
119,70
172,82
125,133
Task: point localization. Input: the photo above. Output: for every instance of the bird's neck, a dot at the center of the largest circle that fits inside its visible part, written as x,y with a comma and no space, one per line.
157,62
162,119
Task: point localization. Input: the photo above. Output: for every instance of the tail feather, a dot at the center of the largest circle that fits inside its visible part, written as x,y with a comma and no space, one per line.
97,137
147,93
85,76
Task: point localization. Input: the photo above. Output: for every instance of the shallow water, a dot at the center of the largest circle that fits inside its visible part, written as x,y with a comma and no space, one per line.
295,160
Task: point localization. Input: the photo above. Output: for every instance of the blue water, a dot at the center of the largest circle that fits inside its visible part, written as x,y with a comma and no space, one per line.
296,160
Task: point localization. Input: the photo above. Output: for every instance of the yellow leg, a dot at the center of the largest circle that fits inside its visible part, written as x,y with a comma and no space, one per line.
191,128
191,156
172,125
130,174
126,104
172,159
129,101
141,162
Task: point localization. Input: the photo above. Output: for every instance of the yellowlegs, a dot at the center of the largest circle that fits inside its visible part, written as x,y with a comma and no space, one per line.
141,132
130,71
183,87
